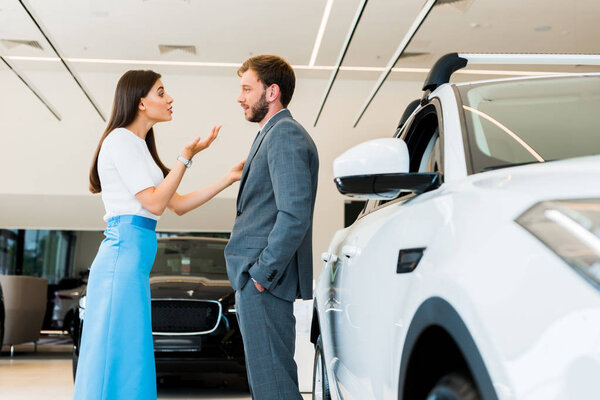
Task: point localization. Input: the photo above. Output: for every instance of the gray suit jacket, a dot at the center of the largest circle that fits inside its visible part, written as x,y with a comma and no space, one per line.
271,240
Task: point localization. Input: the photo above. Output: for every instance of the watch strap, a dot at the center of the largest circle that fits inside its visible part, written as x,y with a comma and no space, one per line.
185,161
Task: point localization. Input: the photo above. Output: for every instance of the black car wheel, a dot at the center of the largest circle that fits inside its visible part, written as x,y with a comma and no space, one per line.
454,387
78,327
75,360
69,324
320,381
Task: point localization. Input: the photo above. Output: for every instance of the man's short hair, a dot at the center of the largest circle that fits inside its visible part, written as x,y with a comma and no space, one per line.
272,70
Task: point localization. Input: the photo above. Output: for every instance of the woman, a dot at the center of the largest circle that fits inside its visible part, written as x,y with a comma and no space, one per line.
117,357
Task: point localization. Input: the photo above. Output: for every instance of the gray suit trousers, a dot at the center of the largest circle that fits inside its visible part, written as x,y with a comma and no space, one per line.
270,321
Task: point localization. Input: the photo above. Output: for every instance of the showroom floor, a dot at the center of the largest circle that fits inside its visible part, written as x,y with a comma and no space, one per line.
47,374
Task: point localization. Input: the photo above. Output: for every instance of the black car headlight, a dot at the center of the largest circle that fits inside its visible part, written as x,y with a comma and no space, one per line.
570,228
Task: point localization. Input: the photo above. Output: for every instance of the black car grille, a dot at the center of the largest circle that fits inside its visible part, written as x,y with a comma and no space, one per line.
184,316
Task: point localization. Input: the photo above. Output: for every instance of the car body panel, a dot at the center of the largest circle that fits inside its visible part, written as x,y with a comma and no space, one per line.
533,321
65,301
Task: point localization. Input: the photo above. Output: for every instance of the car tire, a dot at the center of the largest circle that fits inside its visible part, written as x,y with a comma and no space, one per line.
454,387
69,324
320,387
1,334
76,347
75,361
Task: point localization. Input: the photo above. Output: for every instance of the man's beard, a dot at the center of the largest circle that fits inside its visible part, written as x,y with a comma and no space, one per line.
259,110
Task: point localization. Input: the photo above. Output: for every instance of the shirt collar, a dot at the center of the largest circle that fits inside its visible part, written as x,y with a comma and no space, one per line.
266,123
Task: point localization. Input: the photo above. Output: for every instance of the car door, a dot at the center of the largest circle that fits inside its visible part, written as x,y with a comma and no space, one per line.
370,288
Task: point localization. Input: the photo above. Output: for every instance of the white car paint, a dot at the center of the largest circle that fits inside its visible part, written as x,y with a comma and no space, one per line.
534,320
393,157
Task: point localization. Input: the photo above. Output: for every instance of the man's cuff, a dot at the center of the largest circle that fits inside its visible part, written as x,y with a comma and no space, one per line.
258,276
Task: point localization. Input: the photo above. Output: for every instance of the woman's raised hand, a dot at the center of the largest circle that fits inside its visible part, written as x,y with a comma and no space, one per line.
199,144
236,172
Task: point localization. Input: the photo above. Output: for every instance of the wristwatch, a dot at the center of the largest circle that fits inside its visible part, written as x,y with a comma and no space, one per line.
185,161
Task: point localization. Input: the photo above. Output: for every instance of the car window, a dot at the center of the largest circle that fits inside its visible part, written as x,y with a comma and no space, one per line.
422,138
419,137
430,162
531,120
190,258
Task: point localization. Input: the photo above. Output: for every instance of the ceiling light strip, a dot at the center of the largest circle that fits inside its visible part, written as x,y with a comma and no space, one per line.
357,16
62,60
27,58
483,72
399,51
317,45
31,87
297,67
155,62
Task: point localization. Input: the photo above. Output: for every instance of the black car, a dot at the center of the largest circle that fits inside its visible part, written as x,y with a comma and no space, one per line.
194,325
1,317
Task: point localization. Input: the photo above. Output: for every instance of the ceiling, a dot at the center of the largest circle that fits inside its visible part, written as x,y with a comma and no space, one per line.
102,39
114,35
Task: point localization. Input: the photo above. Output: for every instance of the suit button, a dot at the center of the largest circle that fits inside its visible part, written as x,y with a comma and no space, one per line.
239,213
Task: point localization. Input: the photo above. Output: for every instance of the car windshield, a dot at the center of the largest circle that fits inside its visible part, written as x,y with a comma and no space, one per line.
190,257
531,120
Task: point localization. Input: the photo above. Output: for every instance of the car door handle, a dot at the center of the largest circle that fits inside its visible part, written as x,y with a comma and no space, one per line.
350,251
328,257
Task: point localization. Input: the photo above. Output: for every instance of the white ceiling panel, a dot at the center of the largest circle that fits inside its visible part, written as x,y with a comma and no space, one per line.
221,31
382,27
508,26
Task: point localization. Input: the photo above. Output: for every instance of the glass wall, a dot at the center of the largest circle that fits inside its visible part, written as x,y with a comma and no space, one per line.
8,251
47,254
43,253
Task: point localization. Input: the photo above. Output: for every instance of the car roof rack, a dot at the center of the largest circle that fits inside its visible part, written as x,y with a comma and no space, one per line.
448,64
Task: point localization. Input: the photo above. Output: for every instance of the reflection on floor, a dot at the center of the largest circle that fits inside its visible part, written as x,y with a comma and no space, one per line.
47,374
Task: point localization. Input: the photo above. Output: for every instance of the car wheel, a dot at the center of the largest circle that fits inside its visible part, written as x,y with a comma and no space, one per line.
69,324
76,345
454,387
75,361
320,381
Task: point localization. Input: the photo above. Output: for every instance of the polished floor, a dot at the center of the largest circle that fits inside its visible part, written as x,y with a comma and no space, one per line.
47,374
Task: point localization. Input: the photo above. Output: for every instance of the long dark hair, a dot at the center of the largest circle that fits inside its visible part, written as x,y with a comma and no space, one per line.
132,86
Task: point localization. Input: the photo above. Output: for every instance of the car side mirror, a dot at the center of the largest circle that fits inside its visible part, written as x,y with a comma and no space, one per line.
379,169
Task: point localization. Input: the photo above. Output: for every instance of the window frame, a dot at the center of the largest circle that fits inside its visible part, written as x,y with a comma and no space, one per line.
408,128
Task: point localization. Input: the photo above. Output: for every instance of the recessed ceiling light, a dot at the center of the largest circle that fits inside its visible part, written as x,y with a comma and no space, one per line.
10,43
168,48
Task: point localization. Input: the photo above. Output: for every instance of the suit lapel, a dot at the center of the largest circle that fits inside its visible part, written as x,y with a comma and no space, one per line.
256,145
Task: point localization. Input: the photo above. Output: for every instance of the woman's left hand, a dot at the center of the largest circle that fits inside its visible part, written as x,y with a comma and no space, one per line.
236,172
199,144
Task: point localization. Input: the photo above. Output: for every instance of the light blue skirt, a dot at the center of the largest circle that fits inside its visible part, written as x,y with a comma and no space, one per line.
116,358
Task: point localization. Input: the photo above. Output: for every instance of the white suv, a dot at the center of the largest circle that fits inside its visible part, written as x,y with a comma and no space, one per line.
473,272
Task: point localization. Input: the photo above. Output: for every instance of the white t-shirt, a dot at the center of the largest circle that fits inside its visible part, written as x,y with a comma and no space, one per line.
126,167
